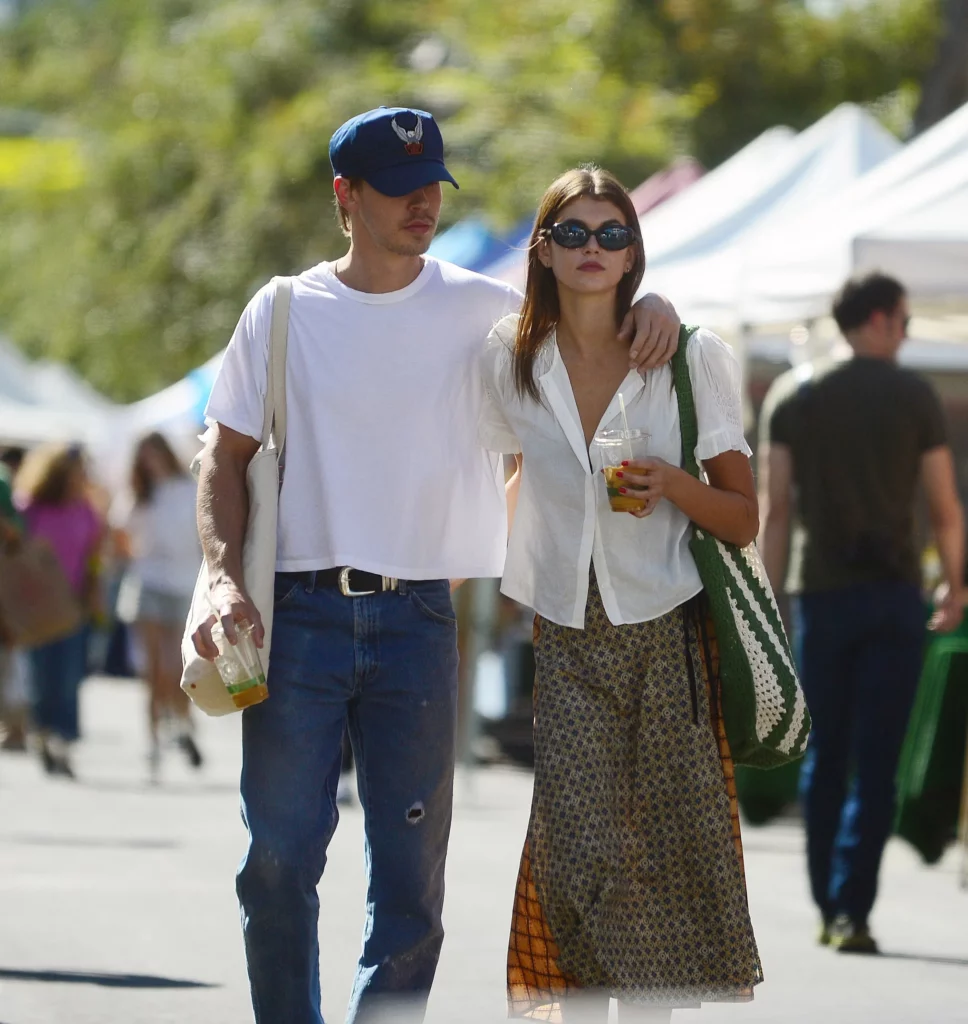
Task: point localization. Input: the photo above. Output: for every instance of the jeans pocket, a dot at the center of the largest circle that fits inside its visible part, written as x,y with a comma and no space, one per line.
284,588
434,605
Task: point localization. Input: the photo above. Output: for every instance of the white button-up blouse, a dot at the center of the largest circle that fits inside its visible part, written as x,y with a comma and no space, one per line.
563,520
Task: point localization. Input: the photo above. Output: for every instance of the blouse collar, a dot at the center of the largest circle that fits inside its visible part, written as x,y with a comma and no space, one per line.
556,385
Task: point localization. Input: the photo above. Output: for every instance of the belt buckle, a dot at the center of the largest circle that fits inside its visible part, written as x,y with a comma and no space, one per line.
344,585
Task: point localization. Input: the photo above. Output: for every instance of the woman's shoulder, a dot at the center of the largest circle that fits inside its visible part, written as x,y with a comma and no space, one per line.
499,349
704,343
503,333
707,353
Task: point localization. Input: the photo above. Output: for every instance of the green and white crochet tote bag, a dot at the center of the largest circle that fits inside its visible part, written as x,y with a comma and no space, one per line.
763,706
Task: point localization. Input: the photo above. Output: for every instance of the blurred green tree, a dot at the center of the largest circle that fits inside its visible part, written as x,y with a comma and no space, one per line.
746,65
204,127
946,82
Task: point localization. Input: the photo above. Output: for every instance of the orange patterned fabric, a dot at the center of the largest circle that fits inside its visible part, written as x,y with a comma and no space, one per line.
536,981
725,756
535,985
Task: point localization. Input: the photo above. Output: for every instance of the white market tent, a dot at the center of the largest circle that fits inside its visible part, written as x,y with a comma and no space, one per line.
927,248
697,254
177,410
46,401
908,217
719,204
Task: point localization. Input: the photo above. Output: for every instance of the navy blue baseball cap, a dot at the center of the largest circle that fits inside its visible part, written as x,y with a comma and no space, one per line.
396,150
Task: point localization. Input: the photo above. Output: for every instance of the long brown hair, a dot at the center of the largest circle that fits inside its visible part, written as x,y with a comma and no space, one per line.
142,482
44,476
541,310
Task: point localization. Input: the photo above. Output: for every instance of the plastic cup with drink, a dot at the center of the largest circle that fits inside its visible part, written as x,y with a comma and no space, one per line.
616,447
239,666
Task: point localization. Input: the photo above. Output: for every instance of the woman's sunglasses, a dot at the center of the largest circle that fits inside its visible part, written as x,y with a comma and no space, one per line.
573,234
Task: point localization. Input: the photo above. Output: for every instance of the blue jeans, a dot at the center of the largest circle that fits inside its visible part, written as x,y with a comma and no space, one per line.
859,651
57,671
386,666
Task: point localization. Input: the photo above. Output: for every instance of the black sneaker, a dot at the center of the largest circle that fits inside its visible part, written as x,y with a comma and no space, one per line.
194,755
849,936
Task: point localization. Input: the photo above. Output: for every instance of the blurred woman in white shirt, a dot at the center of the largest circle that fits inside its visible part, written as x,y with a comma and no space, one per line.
631,882
155,529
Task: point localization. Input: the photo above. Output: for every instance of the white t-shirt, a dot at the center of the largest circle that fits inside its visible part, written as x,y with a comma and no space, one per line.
563,520
384,471
165,549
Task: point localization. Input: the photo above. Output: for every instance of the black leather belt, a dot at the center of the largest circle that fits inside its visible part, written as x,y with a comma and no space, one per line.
355,582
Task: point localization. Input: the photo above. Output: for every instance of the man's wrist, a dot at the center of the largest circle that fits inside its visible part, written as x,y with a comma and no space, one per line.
653,300
221,577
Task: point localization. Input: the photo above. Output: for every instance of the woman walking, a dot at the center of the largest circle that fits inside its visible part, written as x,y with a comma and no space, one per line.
156,531
631,882
51,488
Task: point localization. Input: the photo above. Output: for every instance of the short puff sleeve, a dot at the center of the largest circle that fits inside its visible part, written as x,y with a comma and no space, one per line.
716,385
494,429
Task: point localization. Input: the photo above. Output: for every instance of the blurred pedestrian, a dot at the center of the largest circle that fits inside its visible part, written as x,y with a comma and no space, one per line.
51,488
631,876
845,445
382,369
155,529
14,672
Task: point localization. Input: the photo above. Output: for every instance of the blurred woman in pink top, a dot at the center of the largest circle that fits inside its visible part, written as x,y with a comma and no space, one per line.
51,488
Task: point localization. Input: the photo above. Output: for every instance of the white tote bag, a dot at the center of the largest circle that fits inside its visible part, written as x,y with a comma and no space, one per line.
200,678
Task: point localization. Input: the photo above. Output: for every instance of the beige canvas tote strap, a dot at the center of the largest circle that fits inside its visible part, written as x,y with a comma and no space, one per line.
274,415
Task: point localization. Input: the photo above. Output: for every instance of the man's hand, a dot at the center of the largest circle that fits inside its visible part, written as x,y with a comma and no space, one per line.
234,605
654,322
948,610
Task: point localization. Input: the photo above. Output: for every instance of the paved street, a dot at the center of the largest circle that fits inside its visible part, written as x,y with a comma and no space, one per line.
117,900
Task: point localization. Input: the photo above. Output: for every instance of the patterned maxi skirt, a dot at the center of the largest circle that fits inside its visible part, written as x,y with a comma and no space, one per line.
631,881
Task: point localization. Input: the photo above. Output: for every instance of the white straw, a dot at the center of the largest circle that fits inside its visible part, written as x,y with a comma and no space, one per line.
625,425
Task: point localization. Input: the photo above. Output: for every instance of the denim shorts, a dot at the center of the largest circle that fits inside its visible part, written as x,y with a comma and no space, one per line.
140,602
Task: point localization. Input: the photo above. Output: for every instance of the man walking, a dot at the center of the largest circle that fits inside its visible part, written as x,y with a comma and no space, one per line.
387,497
851,441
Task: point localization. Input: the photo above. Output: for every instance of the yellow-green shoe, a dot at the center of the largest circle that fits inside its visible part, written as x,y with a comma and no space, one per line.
849,936
823,933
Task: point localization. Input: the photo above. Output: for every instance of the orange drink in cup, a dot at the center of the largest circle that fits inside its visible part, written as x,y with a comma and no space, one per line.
240,667
616,447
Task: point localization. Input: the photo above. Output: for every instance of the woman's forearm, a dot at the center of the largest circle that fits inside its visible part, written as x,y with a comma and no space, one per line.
728,515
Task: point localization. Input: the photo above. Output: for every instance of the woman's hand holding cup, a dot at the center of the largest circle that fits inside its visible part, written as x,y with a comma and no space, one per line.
646,479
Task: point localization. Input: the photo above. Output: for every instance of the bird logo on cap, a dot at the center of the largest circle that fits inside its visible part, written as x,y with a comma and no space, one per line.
410,139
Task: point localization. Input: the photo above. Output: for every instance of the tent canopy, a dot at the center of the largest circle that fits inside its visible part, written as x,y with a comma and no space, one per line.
46,401
698,254
663,185
713,209
468,244
908,217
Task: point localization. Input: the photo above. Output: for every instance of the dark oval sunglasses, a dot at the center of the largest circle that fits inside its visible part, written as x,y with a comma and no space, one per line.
573,234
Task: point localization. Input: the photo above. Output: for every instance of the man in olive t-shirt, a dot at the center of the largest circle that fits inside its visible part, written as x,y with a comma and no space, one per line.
845,447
